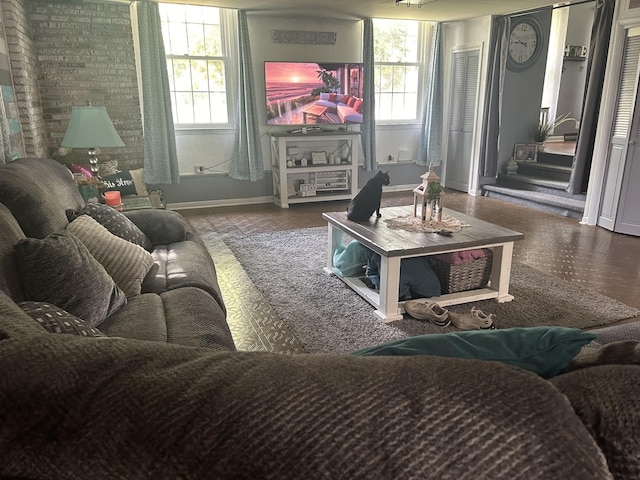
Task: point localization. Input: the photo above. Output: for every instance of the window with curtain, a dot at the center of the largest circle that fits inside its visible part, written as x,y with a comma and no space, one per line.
198,61
399,61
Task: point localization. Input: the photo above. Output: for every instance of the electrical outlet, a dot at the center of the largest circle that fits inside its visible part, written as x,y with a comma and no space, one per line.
198,169
389,158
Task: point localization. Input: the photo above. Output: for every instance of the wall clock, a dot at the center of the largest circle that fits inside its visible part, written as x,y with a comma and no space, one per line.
525,43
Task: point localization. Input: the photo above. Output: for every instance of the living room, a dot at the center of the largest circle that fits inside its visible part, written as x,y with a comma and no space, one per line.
239,415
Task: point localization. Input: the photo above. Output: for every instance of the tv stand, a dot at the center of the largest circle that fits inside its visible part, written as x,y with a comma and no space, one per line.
314,166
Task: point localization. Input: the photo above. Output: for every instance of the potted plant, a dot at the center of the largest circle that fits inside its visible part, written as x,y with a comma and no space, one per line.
540,131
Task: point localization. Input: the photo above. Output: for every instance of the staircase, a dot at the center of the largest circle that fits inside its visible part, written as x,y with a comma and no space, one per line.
542,185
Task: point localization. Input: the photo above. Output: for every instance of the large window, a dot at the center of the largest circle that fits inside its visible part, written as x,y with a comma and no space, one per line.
197,63
398,60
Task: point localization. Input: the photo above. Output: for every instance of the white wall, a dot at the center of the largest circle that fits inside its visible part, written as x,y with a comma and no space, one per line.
214,147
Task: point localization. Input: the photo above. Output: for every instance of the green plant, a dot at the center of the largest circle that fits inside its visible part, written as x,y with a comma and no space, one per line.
541,130
330,82
435,189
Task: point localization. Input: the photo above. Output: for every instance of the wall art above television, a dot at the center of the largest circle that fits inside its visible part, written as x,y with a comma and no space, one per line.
308,93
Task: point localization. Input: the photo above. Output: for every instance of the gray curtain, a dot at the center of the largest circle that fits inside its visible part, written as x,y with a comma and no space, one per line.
430,146
369,118
596,67
160,156
493,100
246,162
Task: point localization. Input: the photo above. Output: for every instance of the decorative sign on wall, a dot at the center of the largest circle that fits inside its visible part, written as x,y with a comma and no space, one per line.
304,37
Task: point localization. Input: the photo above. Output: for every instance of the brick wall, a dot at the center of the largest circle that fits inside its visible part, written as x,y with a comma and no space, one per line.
81,52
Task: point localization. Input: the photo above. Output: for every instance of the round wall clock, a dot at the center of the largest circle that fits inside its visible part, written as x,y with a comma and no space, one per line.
525,43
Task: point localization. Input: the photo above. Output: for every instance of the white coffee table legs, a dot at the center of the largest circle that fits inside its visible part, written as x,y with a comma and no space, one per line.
389,285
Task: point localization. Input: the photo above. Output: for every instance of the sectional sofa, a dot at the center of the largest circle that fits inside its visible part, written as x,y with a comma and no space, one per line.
144,382
347,107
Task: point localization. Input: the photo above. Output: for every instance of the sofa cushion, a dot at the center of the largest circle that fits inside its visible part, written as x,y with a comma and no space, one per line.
542,350
38,191
126,262
186,316
10,234
184,264
55,320
14,322
605,398
161,227
193,413
114,221
60,270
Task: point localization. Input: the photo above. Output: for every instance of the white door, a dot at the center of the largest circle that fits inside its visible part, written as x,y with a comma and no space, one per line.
462,119
619,208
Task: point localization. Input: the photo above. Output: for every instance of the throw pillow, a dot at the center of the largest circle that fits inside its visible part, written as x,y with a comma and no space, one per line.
542,350
115,222
121,182
56,320
126,262
59,269
141,188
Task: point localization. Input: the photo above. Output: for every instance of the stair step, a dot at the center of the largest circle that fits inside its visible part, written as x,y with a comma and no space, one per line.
529,182
552,158
545,170
569,207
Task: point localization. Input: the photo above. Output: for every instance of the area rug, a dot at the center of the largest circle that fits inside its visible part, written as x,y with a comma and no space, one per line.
328,317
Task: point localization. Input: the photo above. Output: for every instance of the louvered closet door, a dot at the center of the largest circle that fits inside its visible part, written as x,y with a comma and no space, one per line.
462,119
620,210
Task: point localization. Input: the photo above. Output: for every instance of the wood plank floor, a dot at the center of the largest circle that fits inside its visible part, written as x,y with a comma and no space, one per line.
592,257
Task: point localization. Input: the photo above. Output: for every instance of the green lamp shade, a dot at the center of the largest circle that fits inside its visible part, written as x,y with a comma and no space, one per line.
91,127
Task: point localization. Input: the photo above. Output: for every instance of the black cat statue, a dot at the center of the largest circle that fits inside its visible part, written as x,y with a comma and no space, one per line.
368,199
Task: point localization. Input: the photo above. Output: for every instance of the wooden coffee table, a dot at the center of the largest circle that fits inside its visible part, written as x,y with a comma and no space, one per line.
394,245
314,111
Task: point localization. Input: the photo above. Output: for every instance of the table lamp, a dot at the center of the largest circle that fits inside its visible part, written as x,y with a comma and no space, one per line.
90,127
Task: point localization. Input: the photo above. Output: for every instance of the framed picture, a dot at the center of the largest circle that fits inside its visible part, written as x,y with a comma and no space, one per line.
527,152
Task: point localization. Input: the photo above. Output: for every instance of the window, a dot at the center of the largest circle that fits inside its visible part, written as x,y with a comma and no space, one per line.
397,69
197,64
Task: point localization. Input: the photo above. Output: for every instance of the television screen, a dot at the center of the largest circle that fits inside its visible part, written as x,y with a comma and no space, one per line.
313,93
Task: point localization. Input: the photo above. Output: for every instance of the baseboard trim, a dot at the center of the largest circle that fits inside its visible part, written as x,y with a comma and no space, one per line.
234,202
227,202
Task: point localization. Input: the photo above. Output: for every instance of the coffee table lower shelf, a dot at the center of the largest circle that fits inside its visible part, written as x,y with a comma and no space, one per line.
373,297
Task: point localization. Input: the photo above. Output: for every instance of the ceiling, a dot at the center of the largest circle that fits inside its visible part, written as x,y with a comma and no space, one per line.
434,10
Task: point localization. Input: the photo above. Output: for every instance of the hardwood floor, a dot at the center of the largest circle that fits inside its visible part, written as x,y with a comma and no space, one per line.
595,258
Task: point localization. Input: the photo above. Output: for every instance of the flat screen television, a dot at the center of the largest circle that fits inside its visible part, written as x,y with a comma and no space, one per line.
308,93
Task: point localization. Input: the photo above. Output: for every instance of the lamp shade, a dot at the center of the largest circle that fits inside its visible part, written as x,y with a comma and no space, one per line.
91,127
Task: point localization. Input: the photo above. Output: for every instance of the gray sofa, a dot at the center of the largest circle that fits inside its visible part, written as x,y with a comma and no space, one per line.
122,406
180,300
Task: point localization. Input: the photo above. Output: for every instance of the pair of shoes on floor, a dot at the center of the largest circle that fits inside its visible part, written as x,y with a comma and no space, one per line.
423,310
477,320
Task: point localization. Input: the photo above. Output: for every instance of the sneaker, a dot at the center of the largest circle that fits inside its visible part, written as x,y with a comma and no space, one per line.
485,320
433,312
477,320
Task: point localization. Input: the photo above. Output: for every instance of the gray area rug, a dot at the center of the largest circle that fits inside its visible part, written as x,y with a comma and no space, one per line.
328,317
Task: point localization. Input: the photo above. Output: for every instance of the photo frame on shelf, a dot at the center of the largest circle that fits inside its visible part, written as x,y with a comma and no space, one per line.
525,152
319,158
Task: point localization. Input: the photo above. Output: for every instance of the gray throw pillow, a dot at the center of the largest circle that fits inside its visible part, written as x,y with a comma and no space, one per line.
126,262
60,270
115,222
56,320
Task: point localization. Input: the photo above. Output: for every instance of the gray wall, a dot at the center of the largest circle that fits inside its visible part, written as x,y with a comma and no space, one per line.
521,99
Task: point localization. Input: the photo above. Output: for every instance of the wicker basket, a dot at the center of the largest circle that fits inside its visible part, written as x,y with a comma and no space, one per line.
465,276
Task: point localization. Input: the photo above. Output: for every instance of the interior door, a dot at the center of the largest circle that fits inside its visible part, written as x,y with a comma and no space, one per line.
628,215
462,119
621,190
